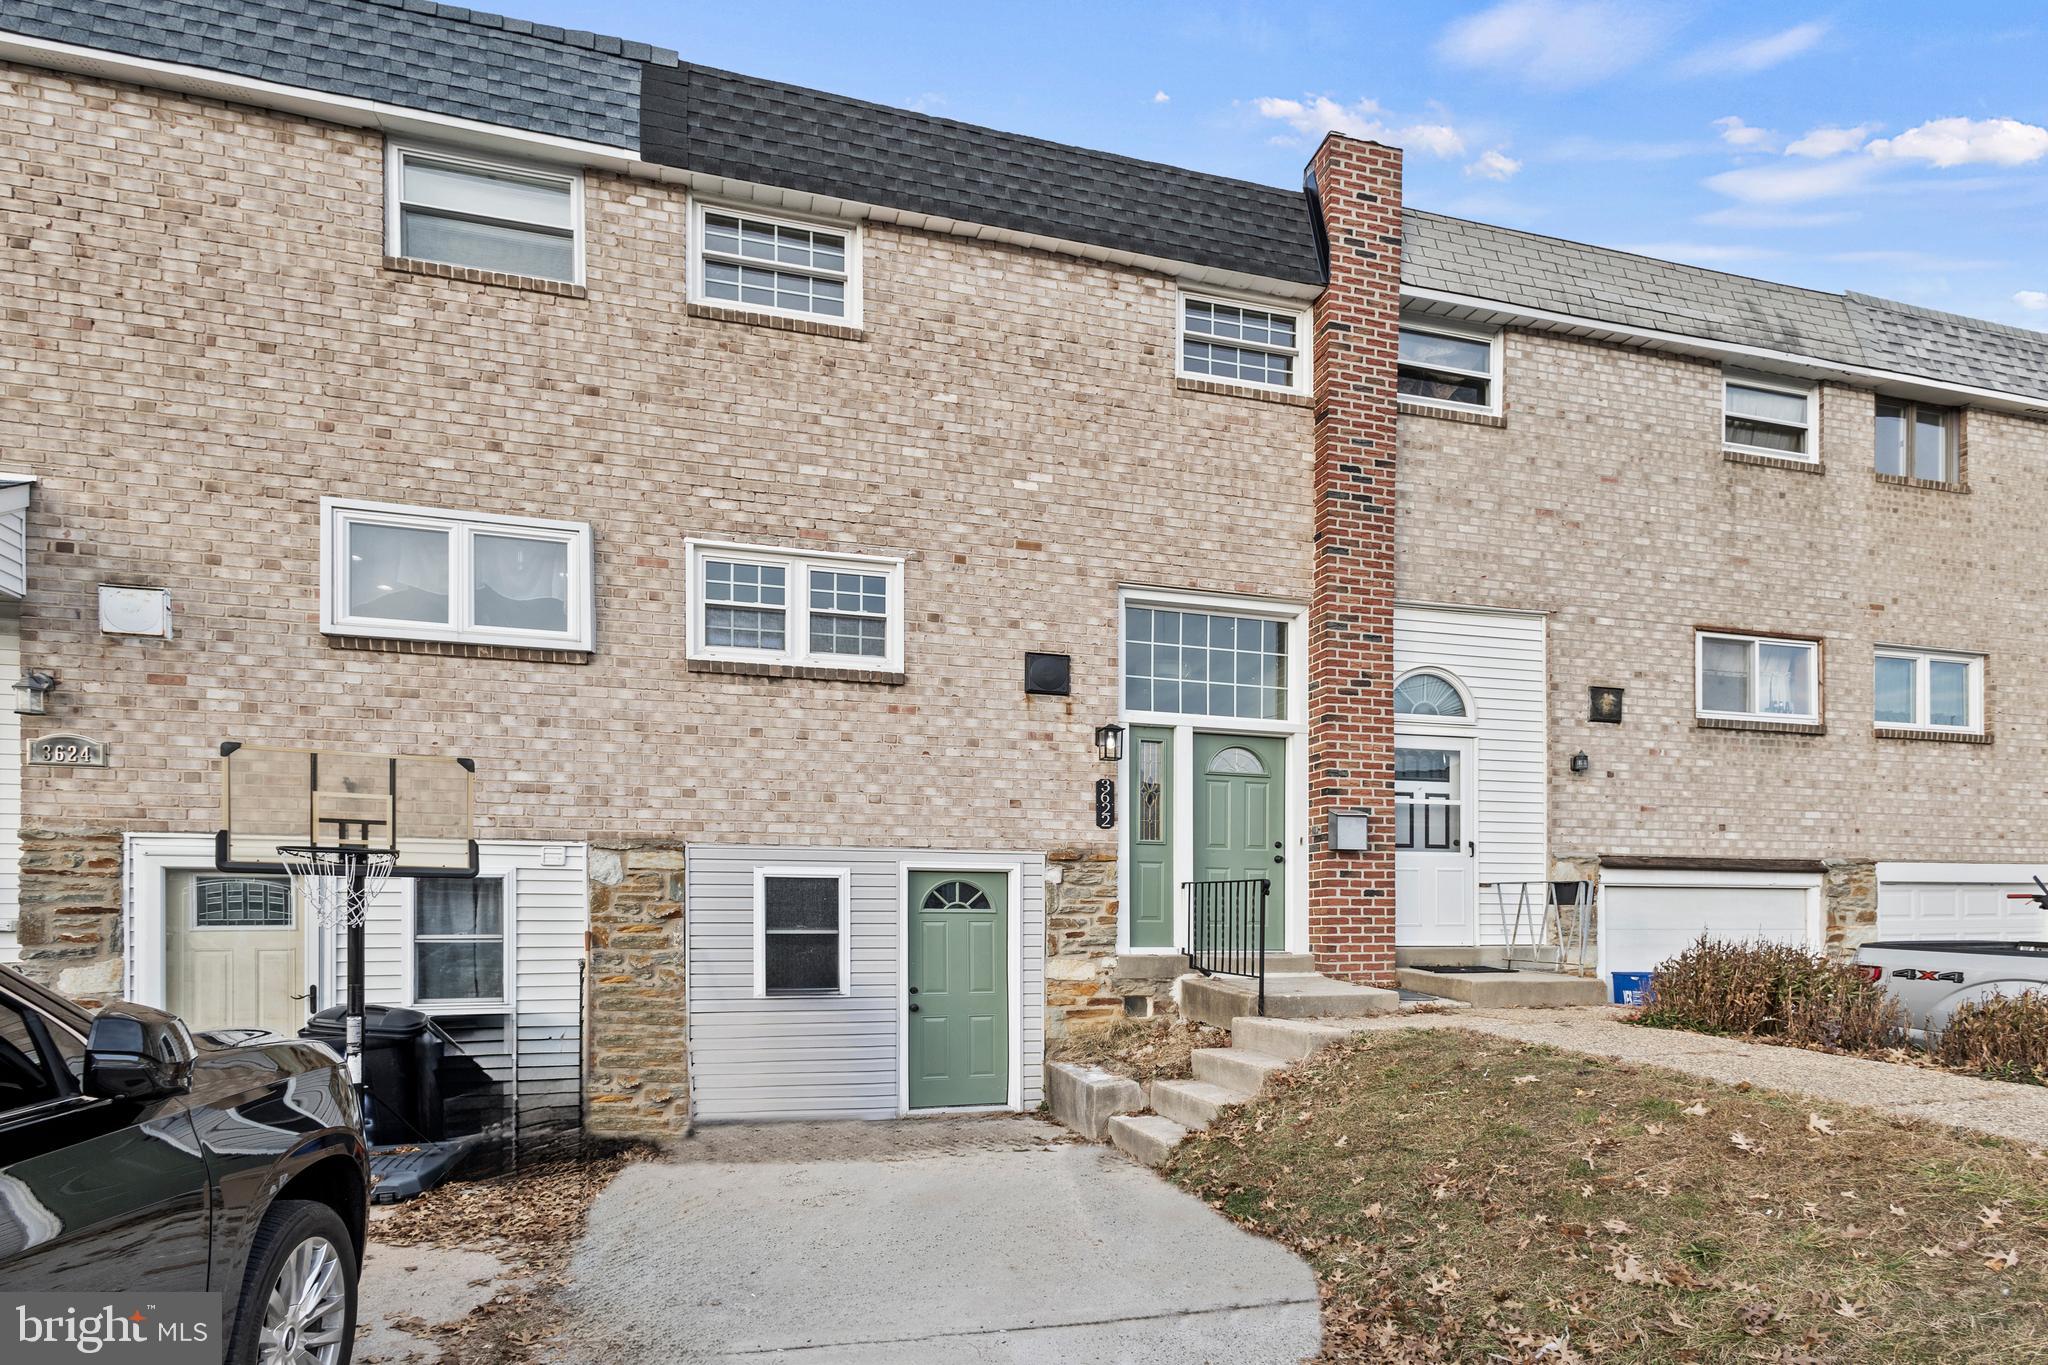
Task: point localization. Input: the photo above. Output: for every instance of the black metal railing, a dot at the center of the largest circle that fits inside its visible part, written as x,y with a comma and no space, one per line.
1227,929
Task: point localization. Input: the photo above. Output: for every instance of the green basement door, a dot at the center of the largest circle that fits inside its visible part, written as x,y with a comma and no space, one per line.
959,989
1241,818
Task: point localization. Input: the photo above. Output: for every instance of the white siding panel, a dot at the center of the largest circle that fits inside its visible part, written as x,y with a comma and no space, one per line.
10,786
14,555
1500,658
836,1056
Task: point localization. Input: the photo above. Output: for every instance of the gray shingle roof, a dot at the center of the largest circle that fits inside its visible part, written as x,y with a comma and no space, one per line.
723,124
412,53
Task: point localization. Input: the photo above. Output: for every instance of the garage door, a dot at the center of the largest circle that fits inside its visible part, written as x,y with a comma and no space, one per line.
1648,917
1936,902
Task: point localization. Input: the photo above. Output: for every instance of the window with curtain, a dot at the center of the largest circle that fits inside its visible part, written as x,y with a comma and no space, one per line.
1764,416
458,948
1758,678
1448,368
483,215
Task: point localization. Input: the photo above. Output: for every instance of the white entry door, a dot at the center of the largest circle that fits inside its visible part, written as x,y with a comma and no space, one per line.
233,952
1436,889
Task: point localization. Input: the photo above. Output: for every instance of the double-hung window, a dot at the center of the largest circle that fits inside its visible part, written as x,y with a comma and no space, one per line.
1450,368
1766,416
1918,689
458,945
750,261
1238,343
753,603
1916,441
484,215
800,931
409,573
1758,677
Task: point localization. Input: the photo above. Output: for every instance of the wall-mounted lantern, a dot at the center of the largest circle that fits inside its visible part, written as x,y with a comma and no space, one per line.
1580,762
1109,742
1350,831
31,694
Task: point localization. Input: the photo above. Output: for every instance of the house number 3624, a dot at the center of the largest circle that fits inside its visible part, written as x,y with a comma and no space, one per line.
67,751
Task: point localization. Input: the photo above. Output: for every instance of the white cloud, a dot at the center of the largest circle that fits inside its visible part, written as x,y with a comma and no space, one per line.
1966,141
2033,300
1826,142
1755,54
1736,133
1792,183
1319,114
1160,97
1494,164
1557,44
931,101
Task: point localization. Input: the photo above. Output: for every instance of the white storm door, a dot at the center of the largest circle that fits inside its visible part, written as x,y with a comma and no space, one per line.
1436,889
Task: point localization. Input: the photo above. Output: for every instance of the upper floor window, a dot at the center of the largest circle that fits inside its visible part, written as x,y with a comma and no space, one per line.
1764,416
411,573
1202,663
1241,344
775,265
1916,441
1449,367
1758,677
1920,690
780,606
484,215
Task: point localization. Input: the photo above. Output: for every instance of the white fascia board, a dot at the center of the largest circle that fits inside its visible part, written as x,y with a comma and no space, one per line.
1465,306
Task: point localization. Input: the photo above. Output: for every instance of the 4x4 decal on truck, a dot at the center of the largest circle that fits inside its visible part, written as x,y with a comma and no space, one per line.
1917,974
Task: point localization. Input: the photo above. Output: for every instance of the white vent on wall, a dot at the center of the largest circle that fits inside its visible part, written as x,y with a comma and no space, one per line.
135,611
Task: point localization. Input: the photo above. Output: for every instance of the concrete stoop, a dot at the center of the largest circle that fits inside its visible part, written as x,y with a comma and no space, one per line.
1219,1001
1518,989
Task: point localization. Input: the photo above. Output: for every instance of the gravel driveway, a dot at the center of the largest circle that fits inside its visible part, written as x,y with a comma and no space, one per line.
955,1240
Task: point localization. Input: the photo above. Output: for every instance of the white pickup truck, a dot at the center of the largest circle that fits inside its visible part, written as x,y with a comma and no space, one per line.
1931,977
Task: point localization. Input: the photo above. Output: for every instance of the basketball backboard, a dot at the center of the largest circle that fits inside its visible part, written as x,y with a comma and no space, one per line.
414,806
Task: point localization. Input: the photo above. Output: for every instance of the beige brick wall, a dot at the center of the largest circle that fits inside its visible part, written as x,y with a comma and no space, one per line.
1606,501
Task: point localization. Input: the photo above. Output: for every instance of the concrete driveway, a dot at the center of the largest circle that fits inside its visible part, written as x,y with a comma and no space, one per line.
956,1240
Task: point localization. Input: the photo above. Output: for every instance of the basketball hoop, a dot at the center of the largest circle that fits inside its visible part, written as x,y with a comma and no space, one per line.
336,885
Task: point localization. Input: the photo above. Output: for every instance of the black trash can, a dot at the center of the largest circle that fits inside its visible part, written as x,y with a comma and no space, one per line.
402,1052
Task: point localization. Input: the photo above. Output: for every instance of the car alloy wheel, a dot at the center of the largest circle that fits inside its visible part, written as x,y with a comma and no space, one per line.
305,1312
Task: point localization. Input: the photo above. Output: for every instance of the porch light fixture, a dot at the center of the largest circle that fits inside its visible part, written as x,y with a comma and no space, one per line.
1109,742
1350,831
1580,762
31,694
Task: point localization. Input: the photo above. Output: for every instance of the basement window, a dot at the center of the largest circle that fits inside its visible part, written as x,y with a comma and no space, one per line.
800,931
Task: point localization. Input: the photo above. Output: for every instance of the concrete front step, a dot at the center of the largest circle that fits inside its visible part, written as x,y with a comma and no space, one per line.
1286,1040
1218,1000
1506,990
1145,1138
1234,1069
1194,1104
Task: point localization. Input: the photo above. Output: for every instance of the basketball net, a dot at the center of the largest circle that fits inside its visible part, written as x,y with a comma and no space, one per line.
326,886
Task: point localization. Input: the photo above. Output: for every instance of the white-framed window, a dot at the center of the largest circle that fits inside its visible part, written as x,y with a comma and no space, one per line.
412,573
1917,441
1191,662
463,210
460,954
1234,342
767,263
1758,677
751,602
801,940
1762,415
1918,689
1449,367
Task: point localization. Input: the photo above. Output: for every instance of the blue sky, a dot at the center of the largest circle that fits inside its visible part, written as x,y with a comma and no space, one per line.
1896,148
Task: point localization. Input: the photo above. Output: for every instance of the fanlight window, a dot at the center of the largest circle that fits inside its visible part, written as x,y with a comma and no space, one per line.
1236,762
956,896
1427,694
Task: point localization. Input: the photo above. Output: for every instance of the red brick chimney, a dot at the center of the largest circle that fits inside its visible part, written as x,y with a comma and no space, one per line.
1356,186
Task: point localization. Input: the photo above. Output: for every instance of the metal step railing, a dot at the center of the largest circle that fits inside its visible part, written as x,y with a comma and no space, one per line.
1227,929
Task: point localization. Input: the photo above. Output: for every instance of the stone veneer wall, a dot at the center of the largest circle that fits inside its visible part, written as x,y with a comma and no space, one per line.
1848,891
637,1022
1086,984
71,908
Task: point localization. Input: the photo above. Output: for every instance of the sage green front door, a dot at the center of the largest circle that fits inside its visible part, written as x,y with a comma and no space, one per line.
959,990
1241,818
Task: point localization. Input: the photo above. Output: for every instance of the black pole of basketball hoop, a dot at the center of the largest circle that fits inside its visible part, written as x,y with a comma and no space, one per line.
353,1008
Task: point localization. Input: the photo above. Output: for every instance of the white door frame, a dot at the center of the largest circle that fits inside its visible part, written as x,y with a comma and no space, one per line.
1465,740
146,858
1013,870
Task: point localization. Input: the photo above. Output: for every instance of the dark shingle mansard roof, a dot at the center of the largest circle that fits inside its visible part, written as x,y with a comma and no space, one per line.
413,53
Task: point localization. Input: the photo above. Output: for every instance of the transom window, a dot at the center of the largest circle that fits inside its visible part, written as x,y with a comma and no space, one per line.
416,574
1241,344
458,949
773,265
1204,663
777,606
1916,441
1428,694
1764,416
1920,690
1755,677
1449,368
800,924
484,215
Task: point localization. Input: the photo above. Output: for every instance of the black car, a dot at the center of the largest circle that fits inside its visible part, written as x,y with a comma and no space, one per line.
136,1156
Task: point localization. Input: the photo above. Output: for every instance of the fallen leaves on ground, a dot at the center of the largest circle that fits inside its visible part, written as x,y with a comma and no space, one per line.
1143,1049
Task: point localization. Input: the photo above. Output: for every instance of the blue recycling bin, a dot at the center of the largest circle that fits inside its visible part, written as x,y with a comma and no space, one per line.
1630,988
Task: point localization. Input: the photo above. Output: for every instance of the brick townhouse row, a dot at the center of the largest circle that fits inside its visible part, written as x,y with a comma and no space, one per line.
798,508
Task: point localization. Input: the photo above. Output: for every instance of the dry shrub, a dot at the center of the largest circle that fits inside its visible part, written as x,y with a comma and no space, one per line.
2004,1036
1771,990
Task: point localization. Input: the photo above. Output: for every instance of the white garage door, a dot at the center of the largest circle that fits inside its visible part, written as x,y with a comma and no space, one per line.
1647,917
1951,901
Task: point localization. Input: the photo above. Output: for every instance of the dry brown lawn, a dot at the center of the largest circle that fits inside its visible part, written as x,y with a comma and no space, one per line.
1143,1049
1469,1198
